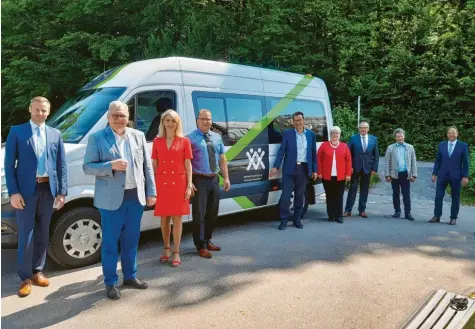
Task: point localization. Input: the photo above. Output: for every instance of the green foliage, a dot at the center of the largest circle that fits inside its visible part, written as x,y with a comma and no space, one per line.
345,118
471,176
411,61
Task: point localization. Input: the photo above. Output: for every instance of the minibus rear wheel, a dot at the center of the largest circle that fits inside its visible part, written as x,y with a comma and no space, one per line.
76,238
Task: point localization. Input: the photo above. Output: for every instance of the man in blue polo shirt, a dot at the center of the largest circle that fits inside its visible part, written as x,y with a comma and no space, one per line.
208,158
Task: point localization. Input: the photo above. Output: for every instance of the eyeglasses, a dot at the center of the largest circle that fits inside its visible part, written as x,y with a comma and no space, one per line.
205,119
119,116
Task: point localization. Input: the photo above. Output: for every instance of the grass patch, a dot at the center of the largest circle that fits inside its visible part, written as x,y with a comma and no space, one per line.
467,197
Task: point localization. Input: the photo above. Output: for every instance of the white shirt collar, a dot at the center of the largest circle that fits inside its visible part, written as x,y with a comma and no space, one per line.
364,136
34,126
303,132
117,137
455,141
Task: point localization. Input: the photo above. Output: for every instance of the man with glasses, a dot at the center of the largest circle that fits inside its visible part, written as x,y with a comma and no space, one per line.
208,158
118,157
35,172
365,159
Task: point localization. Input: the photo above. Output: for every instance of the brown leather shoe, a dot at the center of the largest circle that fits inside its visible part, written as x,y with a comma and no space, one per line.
40,280
347,214
453,222
213,247
363,214
25,288
435,220
204,253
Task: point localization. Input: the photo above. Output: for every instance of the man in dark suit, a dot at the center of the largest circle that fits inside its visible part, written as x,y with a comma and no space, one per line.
35,170
450,168
299,152
365,160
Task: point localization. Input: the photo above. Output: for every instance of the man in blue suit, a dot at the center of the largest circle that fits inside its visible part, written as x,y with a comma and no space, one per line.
299,152
450,168
365,159
35,171
119,158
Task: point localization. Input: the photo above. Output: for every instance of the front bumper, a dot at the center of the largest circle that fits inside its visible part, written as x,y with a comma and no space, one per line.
9,227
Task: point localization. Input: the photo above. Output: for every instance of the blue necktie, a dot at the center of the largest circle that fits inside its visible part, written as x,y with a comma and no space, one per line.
451,149
40,152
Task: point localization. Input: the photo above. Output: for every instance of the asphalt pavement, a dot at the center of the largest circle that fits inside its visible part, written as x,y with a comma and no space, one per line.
364,274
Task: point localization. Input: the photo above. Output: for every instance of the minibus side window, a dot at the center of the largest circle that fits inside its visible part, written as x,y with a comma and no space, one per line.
242,113
148,108
218,114
315,119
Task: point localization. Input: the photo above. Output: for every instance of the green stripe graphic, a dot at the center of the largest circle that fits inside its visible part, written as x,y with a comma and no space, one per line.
244,202
267,119
258,127
111,76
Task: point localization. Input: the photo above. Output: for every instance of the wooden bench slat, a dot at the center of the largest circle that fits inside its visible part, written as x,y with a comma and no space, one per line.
444,303
460,315
445,319
425,310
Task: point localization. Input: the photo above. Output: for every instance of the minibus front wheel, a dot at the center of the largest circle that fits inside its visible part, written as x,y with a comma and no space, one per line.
76,237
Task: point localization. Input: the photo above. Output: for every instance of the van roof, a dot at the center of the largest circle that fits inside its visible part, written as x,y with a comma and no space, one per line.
149,72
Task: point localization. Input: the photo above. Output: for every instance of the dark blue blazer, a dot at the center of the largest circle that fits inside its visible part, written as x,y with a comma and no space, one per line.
454,167
367,161
288,152
21,162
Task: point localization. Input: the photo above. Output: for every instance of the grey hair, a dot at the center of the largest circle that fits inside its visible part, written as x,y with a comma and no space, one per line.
117,105
335,129
204,111
363,123
399,131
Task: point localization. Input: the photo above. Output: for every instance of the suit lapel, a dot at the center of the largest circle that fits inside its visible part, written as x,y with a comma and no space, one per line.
29,131
109,135
49,140
133,143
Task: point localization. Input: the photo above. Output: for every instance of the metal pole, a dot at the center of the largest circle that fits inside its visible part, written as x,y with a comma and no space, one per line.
359,110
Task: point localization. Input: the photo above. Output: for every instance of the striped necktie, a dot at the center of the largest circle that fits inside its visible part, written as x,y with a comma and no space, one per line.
451,148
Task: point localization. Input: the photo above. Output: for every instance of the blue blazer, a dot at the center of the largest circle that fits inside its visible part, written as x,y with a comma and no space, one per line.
288,152
454,167
21,162
367,161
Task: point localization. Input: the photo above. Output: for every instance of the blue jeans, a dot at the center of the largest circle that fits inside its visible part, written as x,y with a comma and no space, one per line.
121,225
455,186
401,185
296,183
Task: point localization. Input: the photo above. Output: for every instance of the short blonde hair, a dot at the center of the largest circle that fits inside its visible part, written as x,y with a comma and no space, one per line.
176,118
452,127
40,99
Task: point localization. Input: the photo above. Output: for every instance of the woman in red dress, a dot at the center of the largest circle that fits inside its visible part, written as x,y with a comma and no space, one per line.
171,156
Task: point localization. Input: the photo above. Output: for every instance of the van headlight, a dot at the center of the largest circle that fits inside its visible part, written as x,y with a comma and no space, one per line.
5,196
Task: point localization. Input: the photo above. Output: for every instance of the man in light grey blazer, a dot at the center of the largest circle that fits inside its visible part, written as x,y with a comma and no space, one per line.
119,159
400,171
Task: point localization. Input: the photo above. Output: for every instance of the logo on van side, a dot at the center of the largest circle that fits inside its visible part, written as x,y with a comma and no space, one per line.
255,159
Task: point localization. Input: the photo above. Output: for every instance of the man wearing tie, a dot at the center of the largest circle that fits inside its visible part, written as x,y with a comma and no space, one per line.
299,152
451,167
36,177
208,158
119,159
365,160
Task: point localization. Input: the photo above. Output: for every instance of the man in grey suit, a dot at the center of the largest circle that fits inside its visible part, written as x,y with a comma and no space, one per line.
400,171
119,159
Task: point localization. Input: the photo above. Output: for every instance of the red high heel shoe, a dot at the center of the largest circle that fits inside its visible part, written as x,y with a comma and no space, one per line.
176,263
164,259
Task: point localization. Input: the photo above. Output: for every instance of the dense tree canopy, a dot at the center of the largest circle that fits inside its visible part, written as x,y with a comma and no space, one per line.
413,62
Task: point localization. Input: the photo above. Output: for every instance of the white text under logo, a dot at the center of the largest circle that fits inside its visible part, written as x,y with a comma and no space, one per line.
255,159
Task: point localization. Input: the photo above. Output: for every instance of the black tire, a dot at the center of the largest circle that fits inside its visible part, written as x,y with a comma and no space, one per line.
71,219
304,210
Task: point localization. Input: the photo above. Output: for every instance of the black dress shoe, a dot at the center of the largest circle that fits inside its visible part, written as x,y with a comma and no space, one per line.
112,292
435,220
339,220
136,283
453,221
397,215
298,225
331,219
409,216
282,226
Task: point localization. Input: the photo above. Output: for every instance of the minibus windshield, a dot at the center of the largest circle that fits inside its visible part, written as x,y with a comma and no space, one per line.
79,114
